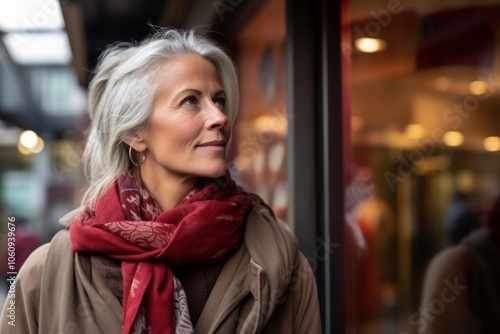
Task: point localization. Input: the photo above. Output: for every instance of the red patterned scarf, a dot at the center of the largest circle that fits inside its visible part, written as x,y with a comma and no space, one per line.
128,225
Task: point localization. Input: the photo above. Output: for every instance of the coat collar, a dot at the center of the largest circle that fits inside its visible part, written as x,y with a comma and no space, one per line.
68,218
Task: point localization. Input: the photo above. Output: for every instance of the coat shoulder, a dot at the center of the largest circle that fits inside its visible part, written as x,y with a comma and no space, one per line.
261,219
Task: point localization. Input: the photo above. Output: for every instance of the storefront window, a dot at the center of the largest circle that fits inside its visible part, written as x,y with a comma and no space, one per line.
425,142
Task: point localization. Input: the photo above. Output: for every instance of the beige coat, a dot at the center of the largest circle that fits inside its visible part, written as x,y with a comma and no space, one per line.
267,286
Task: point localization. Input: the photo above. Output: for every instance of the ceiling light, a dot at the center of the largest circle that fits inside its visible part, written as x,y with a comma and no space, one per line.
370,45
30,15
453,138
477,87
491,144
40,48
29,142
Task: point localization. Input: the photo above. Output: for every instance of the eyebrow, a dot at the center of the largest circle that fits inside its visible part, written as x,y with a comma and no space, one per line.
196,92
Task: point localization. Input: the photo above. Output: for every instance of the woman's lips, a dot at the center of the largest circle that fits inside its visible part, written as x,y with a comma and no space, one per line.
216,145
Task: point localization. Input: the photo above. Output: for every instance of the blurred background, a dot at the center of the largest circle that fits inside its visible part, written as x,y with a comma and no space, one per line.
417,85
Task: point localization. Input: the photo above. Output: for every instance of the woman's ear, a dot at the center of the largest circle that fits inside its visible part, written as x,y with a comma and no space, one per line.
137,143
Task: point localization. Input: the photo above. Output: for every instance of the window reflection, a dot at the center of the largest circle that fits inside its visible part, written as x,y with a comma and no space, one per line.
259,138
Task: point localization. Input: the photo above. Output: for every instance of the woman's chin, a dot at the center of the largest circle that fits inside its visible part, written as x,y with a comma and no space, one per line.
217,171
217,174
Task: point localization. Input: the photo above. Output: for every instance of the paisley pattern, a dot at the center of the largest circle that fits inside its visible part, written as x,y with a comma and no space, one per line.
183,323
148,235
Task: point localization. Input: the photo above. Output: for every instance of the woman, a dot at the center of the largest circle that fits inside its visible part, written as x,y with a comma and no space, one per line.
165,241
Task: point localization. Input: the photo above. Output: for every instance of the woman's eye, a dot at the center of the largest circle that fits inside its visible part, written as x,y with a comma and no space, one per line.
220,102
191,100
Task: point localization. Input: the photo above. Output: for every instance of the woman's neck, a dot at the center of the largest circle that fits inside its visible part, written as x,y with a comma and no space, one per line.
168,191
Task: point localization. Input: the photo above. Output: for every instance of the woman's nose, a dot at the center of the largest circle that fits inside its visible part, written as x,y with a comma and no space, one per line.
216,117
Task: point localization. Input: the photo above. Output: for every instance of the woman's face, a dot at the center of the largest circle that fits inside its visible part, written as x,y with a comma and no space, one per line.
188,131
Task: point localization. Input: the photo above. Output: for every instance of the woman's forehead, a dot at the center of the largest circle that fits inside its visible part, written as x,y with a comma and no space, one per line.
189,73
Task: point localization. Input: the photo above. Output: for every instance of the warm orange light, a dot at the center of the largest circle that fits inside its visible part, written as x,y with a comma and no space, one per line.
477,87
453,138
370,45
491,144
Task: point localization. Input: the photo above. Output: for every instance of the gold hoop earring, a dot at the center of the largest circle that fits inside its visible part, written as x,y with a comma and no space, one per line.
132,159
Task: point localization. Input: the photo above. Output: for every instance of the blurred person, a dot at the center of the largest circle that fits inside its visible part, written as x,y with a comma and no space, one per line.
164,240
461,219
461,292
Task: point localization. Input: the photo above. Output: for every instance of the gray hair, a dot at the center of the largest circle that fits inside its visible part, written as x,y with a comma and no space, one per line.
121,95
